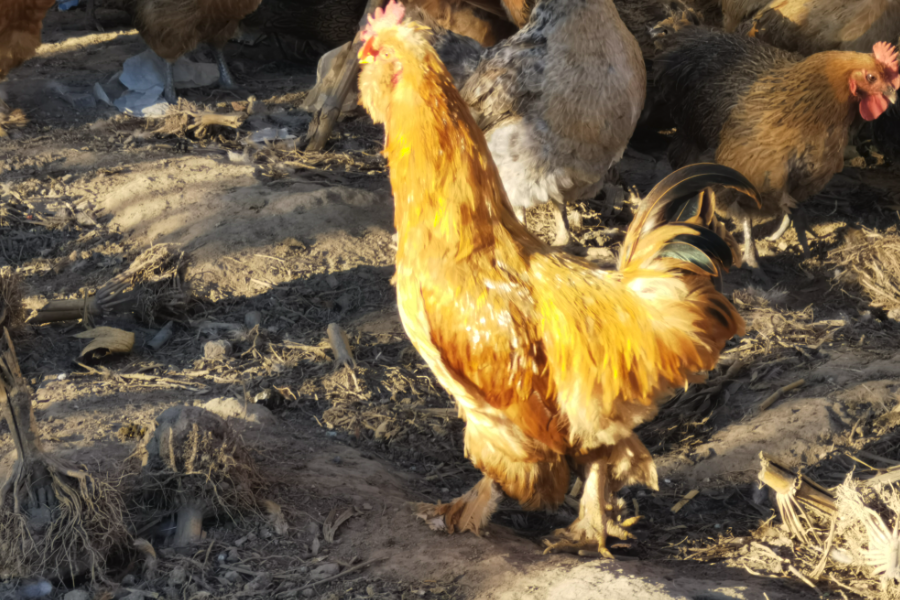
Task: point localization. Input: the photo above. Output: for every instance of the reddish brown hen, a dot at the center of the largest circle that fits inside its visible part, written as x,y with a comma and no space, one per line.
173,27
779,119
552,362
20,36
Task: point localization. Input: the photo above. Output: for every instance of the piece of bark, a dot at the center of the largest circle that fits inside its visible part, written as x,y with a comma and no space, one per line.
324,120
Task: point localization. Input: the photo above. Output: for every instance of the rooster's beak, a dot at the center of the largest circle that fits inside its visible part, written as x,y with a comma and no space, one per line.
891,95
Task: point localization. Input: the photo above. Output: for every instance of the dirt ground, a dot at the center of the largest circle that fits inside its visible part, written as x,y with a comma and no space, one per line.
306,240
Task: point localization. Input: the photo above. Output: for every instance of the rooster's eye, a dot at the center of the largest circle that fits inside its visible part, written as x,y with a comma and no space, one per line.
870,78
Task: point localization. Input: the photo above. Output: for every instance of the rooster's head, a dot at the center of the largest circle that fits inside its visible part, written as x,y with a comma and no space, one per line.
389,43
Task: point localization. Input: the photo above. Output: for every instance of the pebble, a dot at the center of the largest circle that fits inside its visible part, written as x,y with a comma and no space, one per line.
77,595
233,576
324,571
216,349
252,319
178,576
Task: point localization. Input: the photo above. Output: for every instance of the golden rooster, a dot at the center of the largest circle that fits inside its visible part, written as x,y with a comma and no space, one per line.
551,361
20,35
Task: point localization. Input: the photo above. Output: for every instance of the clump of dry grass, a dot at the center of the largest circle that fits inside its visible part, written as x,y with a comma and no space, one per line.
868,521
195,465
12,311
56,520
160,271
187,117
870,263
84,526
848,536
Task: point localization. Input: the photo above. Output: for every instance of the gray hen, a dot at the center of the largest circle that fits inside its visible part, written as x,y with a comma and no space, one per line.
558,101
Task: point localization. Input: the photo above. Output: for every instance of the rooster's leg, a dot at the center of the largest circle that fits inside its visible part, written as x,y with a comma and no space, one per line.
520,214
169,92
469,512
226,81
595,516
562,224
785,223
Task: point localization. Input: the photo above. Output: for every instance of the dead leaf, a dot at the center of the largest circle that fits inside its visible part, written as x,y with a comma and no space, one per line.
107,338
276,517
332,522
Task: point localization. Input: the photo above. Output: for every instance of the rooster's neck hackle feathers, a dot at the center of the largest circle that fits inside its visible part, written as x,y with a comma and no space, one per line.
437,154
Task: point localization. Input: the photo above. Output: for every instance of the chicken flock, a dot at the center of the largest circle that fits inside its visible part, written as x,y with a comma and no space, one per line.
493,107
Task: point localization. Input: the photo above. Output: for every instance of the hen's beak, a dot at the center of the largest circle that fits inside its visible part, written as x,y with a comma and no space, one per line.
891,95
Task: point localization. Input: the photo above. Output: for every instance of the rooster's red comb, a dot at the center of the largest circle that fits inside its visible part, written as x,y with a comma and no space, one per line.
886,54
391,15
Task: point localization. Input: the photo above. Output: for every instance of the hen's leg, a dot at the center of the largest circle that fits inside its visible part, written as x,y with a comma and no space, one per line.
594,522
470,512
562,224
785,223
169,93
91,9
226,81
801,225
751,258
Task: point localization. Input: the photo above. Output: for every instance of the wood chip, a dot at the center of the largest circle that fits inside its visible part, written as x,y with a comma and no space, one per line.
334,521
768,402
684,500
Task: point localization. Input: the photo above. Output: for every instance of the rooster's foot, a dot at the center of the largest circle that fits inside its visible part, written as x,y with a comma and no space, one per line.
469,512
584,535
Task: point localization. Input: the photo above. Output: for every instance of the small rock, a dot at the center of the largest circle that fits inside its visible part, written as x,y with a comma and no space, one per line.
324,571
372,589
232,407
252,319
894,314
216,349
39,519
77,595
313,529
264,533
178,576
367,506
332,281
129,580
233,555
233,576
307,593
260,582
35,589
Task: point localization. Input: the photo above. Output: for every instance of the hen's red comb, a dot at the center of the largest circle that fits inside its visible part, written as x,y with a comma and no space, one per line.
886,54
391,15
